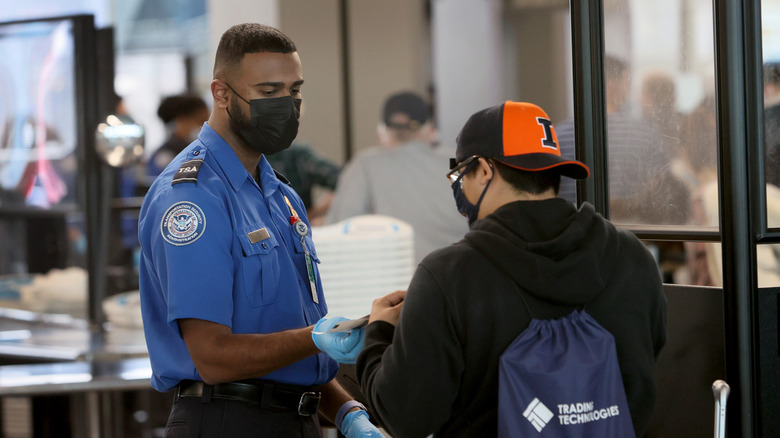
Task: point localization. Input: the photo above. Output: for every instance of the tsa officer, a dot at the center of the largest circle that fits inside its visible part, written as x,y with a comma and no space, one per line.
229,282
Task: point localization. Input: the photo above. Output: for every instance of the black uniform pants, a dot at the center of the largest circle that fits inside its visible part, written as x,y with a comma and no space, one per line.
193,417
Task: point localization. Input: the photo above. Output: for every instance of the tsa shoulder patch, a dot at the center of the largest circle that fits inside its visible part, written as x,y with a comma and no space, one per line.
188,172
183,223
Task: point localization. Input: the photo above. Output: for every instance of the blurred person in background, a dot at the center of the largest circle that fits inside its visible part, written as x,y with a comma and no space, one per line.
183,116
665,200
696,162
313,176
401,176
699,136
308,172
635,150
658,102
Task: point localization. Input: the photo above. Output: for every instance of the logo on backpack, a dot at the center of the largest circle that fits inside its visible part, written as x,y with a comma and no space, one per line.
581,413
538,414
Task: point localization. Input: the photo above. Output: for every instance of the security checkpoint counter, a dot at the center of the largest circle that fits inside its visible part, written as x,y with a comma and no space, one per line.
55,373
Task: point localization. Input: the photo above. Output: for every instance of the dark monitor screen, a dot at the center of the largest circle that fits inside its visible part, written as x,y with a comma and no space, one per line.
39,124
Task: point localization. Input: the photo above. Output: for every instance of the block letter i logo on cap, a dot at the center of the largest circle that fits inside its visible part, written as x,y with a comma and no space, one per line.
548,141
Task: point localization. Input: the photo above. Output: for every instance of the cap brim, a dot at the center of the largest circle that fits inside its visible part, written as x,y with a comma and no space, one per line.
539,161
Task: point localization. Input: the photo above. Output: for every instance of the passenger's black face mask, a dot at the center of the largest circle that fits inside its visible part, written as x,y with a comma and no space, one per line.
466,208
274,123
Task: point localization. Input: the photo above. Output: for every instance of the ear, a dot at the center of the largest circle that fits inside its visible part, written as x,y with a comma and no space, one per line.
428,133
219,91
485,171
383,135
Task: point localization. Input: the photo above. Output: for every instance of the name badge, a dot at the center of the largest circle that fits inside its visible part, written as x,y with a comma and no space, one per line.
258,235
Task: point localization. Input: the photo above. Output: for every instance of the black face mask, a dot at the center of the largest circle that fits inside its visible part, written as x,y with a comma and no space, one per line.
274,123
466,208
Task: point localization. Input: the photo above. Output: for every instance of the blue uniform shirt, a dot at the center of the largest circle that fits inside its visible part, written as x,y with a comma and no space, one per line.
217,246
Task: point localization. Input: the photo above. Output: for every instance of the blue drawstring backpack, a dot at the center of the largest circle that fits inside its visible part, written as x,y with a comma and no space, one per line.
561,378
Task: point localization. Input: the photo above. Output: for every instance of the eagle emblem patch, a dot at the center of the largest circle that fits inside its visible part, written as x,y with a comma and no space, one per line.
183,223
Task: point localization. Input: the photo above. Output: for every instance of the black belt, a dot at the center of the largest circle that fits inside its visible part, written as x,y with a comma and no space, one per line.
305,400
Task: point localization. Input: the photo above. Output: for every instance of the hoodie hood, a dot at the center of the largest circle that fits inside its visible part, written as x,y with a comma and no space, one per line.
558,253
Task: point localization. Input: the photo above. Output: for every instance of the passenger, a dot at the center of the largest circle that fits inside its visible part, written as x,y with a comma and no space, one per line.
402,177
430,361
229,282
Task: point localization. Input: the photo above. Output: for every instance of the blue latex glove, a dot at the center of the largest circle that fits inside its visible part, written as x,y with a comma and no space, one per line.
343,347
356,424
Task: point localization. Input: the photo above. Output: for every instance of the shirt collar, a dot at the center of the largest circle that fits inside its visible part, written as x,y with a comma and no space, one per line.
268,179
228,161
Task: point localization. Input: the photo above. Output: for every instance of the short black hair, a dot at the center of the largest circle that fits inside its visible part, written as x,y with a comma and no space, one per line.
248,38
408,103
179,105
535,182
614,66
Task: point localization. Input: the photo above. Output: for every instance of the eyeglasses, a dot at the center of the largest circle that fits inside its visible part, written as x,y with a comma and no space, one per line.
458,170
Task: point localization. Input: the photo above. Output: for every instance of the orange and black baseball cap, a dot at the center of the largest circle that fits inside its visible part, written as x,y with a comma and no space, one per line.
518,134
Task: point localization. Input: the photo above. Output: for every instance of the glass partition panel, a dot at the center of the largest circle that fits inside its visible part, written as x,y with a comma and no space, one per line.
701,263
770,35
661,125
42,164
768,265
688,263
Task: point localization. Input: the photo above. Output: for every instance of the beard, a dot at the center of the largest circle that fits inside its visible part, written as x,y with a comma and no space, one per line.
238,122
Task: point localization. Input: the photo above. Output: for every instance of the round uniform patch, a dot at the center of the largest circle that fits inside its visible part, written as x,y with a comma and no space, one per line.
183,223
301,228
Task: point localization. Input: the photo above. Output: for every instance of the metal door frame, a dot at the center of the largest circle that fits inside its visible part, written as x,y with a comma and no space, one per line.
738,62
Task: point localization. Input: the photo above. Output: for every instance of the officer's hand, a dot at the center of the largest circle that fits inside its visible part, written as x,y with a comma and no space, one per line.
356,424
343,347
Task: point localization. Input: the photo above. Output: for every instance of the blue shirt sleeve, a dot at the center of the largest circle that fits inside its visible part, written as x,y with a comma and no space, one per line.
193,252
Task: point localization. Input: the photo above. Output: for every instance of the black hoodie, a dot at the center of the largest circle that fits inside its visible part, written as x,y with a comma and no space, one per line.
437,371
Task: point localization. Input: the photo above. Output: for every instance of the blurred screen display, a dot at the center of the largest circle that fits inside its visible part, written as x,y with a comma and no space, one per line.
38,113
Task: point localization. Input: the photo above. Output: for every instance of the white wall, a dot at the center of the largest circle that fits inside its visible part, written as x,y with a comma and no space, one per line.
225,13
538,59
388,51
315,32
467,61
387,39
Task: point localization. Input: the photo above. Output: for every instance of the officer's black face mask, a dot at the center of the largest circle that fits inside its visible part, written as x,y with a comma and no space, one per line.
274,123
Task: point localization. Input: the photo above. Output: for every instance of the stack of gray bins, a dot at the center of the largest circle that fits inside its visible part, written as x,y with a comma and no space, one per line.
363,258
